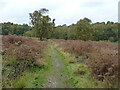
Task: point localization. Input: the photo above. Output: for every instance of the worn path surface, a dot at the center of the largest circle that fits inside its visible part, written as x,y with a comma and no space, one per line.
56,78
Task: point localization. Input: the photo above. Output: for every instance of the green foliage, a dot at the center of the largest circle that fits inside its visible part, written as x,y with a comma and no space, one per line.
9,28
9,60
42,25
60,32
108,31
30,33
84,29
20,84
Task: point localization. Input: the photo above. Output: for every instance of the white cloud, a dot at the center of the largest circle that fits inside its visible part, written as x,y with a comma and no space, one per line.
64,11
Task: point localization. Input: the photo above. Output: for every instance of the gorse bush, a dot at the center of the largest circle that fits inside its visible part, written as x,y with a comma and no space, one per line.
101,57
20,53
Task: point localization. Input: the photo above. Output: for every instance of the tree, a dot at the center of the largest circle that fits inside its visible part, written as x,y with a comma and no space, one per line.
84,29
9,28
60,32
42,24
30,33
108,31
72,32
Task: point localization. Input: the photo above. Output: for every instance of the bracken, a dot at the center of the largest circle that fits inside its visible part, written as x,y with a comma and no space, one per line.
19,53
101,57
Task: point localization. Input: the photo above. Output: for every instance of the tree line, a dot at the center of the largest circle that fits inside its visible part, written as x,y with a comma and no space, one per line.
9,28
43,26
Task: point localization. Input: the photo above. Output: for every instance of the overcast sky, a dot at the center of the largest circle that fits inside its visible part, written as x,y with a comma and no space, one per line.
64,11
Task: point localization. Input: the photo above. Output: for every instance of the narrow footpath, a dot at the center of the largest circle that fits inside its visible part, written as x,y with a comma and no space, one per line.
56,78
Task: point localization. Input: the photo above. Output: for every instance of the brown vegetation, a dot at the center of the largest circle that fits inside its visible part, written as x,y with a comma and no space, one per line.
101,57
20,53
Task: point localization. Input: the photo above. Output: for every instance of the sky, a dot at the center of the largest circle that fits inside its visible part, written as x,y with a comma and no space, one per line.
63,11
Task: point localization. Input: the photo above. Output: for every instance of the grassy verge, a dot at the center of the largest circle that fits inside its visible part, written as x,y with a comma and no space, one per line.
34,77
79,75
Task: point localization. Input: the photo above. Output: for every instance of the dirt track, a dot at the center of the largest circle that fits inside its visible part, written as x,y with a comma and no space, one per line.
56,78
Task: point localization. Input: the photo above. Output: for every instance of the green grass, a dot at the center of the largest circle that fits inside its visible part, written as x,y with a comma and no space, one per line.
33,77
107,41
79,75
11,60
32,80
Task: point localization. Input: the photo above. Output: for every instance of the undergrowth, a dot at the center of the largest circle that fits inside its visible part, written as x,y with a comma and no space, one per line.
101,57
79,74
25,62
